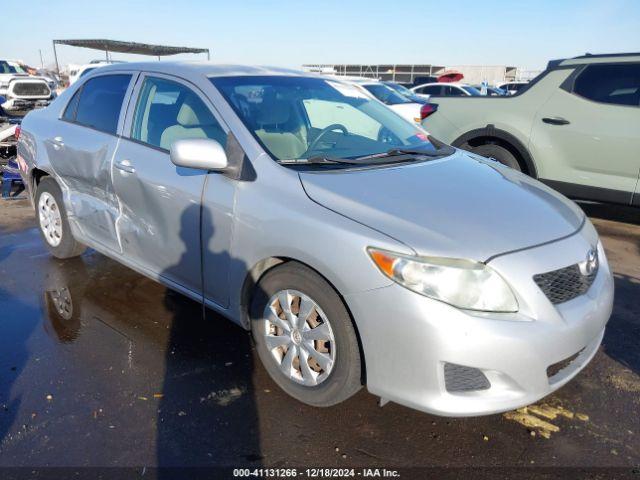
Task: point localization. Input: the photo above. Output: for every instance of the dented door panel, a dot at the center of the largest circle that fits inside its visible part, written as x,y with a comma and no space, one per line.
159,221
82,157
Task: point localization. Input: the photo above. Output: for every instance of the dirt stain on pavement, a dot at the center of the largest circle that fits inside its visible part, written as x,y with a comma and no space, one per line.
626,381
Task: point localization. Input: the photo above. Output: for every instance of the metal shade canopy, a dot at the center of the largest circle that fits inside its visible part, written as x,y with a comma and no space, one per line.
126,47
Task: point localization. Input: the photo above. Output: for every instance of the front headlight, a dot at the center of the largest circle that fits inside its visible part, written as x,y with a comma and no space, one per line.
461,283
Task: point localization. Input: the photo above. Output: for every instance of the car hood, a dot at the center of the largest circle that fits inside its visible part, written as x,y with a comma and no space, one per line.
462,206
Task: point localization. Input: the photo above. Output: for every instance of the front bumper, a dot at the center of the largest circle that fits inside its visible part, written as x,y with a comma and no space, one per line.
21,104
408,338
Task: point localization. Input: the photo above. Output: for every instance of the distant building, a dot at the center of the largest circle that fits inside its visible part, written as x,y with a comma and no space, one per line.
396,73
492,74
473,74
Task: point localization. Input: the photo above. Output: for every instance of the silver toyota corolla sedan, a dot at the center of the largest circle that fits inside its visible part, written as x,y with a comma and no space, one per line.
356,248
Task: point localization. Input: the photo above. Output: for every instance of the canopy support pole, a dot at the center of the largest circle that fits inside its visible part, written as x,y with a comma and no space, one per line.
55,54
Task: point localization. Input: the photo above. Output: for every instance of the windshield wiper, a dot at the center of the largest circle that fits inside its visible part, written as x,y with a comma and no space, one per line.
317,160
444,151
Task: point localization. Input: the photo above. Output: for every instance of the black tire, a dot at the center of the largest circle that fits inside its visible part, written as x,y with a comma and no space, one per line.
344,380
499,153
68,246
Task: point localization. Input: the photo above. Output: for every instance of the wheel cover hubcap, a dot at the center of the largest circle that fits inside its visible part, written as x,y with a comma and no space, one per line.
50,219
299,337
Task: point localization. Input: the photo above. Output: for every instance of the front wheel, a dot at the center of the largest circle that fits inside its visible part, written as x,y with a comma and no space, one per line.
52,220
304,336
498,153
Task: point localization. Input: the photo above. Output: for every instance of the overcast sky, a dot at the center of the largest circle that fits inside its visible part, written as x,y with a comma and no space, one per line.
291,33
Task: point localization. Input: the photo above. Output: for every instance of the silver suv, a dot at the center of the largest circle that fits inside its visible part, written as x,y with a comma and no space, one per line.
355,248
576,127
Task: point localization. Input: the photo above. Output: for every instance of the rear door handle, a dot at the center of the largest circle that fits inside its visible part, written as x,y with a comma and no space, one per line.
556,121
125,166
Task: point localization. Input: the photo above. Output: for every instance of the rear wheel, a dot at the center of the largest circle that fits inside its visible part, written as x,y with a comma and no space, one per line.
498,153
52,220
304,336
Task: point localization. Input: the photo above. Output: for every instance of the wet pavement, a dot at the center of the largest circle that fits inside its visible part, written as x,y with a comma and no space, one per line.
100,366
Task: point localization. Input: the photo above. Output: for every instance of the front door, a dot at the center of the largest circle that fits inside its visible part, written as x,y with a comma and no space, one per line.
161,208
82,147
588,132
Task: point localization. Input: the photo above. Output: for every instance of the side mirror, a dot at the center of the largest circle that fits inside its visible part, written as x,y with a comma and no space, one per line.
201,153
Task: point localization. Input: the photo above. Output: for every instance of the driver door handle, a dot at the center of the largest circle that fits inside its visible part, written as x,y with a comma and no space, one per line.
556,121
125,166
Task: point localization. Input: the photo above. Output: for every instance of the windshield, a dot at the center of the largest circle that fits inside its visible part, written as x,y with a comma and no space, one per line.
471,91
6,68
386,95
301,117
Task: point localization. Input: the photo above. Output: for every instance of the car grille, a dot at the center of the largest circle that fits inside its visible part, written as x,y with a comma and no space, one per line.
564,284
31,89
464,379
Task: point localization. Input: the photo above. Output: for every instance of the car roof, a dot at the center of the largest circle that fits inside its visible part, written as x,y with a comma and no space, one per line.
204,68
598,58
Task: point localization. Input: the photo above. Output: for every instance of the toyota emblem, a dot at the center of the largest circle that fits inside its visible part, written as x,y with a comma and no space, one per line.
590,265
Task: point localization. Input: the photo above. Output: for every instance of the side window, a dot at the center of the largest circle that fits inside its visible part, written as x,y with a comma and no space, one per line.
168,111
434,90
453,92
72,107
615,84
100,102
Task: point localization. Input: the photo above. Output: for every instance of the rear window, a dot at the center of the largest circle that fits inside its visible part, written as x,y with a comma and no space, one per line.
72,107
386,95
614,84
100,102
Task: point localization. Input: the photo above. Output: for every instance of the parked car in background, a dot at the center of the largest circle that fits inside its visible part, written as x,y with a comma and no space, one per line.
404,91
576,127
446,90
51,78
489,91
404,106
21,91
355,248
512,87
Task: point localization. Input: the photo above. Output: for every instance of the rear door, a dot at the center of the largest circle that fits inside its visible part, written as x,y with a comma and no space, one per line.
587,135
81,149
161,212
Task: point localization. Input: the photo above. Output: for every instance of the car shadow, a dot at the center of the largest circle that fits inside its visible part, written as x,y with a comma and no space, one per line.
208,414
616,213
622,335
